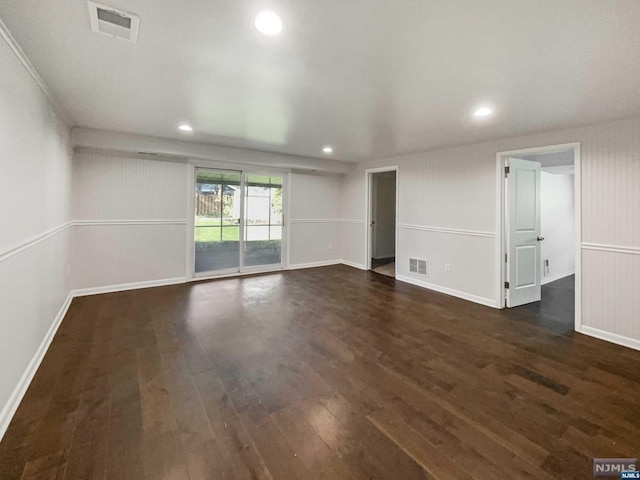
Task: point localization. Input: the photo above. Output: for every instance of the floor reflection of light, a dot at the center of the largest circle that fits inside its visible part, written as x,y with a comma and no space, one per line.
218,311
325,423
207,310
254,290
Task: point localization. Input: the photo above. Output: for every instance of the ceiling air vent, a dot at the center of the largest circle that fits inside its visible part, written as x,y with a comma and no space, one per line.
418,266
113,22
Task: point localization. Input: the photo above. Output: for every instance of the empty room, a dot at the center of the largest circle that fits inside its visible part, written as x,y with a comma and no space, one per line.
294,239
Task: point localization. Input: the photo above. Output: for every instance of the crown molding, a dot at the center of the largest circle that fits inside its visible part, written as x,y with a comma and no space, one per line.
13,45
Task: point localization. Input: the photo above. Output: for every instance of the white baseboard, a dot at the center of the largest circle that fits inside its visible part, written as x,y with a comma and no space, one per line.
353,264
553,278
9,410
489,302
610,337
324,263
127,286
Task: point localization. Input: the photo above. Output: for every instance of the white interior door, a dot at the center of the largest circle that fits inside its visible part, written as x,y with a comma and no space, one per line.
523,232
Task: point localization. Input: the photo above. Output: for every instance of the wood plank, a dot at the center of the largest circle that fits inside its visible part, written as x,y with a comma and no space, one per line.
320,373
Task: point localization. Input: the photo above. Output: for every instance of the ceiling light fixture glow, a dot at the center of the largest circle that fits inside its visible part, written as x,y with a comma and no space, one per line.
483,112
185,128
328,149
268,23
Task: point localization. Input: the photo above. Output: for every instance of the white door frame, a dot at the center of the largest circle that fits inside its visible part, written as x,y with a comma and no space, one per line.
192,165
500,221
369,190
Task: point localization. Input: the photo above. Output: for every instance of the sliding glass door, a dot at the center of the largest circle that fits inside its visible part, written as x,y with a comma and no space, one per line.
238,221
263,220
218,208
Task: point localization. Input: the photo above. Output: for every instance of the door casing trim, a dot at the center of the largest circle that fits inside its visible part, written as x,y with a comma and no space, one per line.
368,199
500,210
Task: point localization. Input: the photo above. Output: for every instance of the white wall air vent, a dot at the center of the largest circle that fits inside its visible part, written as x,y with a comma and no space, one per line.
113,22
419,267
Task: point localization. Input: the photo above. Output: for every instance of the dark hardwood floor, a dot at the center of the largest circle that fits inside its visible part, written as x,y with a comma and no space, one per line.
328,373
556,311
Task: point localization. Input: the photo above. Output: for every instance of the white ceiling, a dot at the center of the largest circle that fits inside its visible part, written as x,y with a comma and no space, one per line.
561,170
554,159
373,78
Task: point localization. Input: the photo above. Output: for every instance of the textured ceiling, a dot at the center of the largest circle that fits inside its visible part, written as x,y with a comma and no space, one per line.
373,78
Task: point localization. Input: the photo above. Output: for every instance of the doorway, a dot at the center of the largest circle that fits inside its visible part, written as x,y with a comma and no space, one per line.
238,222
540,235
382,214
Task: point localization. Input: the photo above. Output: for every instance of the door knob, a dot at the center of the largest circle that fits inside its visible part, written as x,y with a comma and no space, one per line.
540,239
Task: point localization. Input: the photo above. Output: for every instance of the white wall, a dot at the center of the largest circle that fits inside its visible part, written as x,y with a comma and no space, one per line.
447,214
383,212
353,213
35,189
88,138
315,224
557,220
442,216
130,216
131,219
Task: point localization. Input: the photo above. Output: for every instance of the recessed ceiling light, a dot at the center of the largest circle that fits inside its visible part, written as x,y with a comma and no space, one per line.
483,112
185,128
268,23
328,149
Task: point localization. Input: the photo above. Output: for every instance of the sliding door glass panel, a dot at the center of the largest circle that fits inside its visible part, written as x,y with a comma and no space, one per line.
263,220
217,220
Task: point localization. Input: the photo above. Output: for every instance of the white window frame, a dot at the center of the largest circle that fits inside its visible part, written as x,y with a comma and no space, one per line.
243,169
